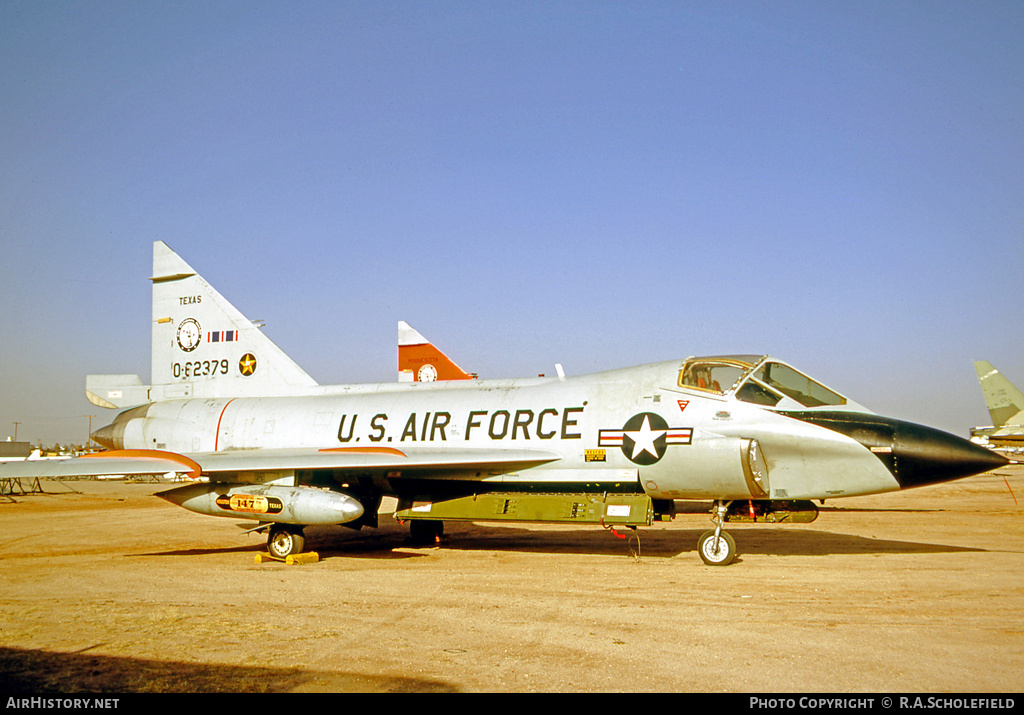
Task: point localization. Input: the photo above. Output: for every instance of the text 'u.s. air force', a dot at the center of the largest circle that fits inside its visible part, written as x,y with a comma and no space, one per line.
547,423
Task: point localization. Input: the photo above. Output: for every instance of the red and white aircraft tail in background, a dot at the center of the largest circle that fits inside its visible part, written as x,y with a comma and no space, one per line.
419,360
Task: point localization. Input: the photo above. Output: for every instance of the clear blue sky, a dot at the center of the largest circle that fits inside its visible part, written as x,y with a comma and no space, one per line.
839,184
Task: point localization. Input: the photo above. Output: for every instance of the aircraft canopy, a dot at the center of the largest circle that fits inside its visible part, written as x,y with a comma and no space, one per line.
760,380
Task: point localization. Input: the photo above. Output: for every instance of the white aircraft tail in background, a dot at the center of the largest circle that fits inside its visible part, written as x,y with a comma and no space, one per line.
1004,400
1005,404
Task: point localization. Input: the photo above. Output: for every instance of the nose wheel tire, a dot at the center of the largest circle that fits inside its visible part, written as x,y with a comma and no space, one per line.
285,541
718,551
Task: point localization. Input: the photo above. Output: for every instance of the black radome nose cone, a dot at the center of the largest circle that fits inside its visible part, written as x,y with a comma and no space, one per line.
914,454
929,456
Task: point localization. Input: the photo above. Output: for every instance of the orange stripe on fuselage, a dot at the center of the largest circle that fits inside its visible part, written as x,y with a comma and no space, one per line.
216,436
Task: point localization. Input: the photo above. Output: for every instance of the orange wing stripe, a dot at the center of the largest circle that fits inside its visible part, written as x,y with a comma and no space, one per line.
366,450
194,469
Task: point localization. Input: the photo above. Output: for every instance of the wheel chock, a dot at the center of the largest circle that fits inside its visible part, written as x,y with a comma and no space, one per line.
311,557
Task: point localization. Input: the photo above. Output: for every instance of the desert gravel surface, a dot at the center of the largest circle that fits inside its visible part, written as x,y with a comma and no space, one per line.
106,588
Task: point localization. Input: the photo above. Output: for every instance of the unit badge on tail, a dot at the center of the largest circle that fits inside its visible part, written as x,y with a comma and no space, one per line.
247,365
189,334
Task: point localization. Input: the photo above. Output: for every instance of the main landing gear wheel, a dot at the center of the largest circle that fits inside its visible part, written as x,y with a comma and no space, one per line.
717,550
425,532
285,541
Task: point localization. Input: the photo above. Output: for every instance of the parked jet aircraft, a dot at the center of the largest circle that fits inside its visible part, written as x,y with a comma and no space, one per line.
751,433
1006,406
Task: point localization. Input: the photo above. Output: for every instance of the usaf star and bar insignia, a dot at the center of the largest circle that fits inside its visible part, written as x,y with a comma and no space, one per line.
645,437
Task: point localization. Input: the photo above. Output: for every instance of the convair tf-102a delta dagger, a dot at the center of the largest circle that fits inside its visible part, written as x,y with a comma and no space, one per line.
264,442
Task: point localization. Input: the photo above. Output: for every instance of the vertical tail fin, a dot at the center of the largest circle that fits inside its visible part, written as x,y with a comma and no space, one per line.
204,347
1005,402
420,361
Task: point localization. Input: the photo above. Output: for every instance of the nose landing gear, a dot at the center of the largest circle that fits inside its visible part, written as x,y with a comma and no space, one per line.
717,548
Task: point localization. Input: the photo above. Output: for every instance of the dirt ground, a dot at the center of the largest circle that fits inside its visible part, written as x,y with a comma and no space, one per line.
111,589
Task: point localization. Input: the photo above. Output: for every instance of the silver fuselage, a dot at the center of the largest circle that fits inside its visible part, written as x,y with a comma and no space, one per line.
693,445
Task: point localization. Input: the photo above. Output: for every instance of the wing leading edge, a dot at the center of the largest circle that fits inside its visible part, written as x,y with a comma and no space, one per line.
467,463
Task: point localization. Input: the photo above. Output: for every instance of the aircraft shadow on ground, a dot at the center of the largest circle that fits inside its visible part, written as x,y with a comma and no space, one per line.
765,539
392,542
35,672
204,552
